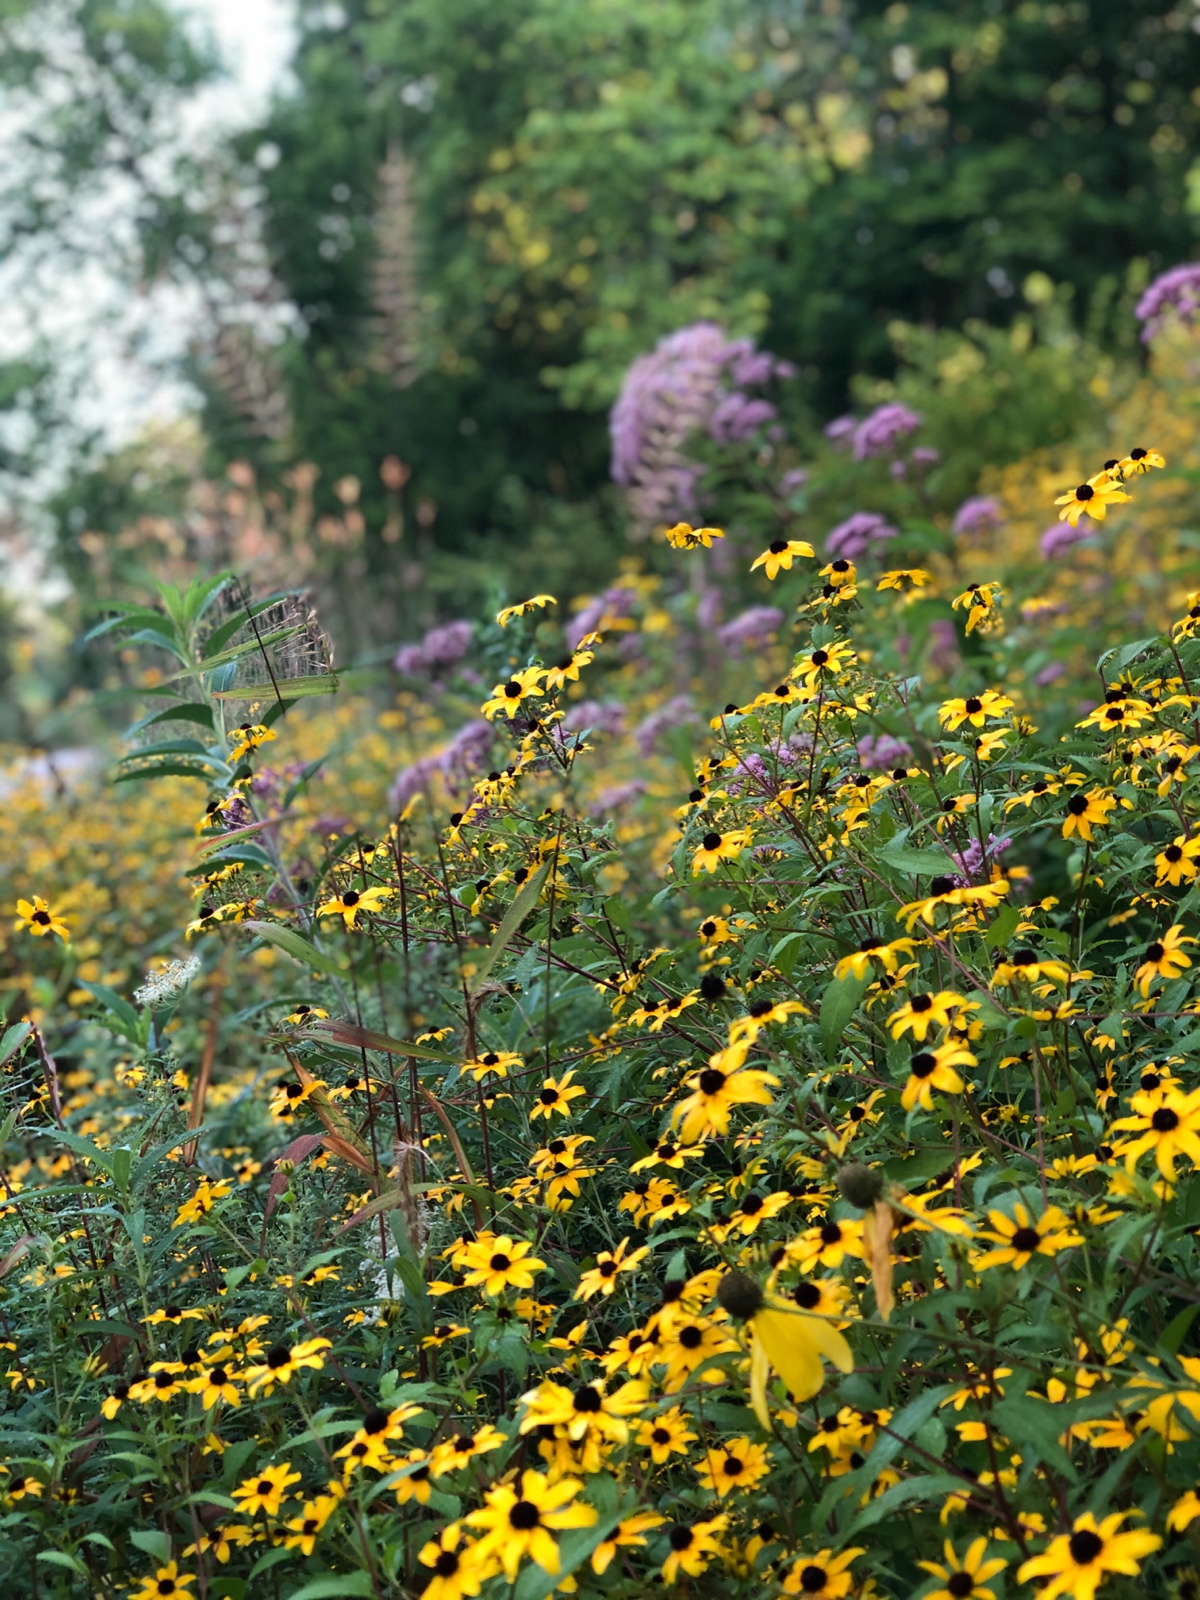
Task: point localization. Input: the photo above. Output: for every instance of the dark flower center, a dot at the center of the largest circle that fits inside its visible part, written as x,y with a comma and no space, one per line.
712,1081
1077,804
548,1096
1085,1546
813,1579
923,1064
446,1564
711,841
524,1516
1164,1120
42,917
164,1380
218,1377
807,1296
375,1421
762,1008
1026,1239
733,1466
1023,958
1085,492
831,1233
920,1003
973,705
1173,853
820,658
587,1398
776,547
960,1584
499,1262
661,1436
278,1356
942,884
512,690
681,1538
690,1337
265,1486
752,1204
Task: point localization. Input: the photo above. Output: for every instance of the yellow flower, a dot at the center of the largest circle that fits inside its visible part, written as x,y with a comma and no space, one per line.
1028,965
497,1061
628,1532
981,600
539,602
934,1069
904,578
1164,958
779,555
567,670
556,1095
924,1011
723,1084
201,1203
304,1529
1170,1128
945,892
37,916
827,660
509,696
736,1464
602,1278
246,739
282,1362
1086,811
665,1435
784,1339
265,1490
216,1383
497,1263
1076,1562
168,1583
1092,499
840,574
975,709
684,537
692,1547
955,1574
588,1418
457,1574
520,1522
717,847
1176,862
823,1574
351,902
1020,1238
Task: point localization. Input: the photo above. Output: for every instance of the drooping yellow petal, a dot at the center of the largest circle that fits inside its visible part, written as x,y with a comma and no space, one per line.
791,1350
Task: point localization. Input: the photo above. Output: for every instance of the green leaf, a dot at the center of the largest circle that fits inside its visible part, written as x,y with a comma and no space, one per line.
237,651
294,945
523,903
1039,1424
184,711
153,1542
902,1428
59,1558
292,688
12,1039
349,1583
367,1039
929,1488
171,769
1122,655
116,1006
1002,928
838,1005
918,863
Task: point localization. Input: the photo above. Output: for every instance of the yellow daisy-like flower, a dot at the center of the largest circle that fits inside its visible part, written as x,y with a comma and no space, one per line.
974,708
717,847
723,1084
457,1574
824,1574
824,661
841,574
629,1532
1170,1128
555,1096
1087,811
265,1491
498,1262
904,578
168,1583
1163,958
520,1522
736,1464
665,1435
567,670
539,602
966,1579
692,1547
602,1278
508,697
1139,461
1176,862
783,1339
305,1529
246,739
351,902
684,537
37,916
1020,1238
1077,1562
1091,499
932,1069
497,1061
283,1362
779,555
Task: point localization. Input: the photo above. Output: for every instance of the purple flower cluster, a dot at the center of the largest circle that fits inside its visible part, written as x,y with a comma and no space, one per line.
1175,291
677,710
458,763
980,514
1059,538
614,602
881,752
878,434
618,797
601,716
751,629
694,381
861,533
974,858
441,647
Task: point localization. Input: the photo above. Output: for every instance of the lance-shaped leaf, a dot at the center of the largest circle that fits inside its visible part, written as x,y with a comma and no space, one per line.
294,944
523,904
340,1032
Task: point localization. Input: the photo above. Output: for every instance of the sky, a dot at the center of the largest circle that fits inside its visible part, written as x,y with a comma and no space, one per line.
117,348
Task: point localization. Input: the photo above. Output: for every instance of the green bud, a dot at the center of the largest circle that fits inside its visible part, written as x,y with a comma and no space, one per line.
861,1186
740,1294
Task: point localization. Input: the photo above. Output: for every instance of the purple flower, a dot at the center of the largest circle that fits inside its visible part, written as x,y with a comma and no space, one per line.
441,647
973,859
614,602
881,752
943,645
651,729
925,455
1059,538
693,381
841,428
858,534
459,763
616,798
977,515
792,480
751,629
1050,673
601,716
877,434
1176,291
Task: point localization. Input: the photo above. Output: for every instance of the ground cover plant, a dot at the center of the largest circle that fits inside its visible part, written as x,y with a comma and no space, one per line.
677,1142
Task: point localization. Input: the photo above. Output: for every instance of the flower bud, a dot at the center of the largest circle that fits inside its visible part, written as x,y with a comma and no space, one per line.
860,1185
740,1294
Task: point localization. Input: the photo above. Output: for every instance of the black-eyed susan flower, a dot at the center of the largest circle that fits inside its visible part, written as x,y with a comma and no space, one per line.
687,1344
164,1383
1087,811
520,1520
496,1062
783,1339
1139,461
629,1533
966,1579
723,1084
37,916
304,1529
452,1454
415,1482
887,953
779,555
537,602
692,1546
666,1435
934,1068
458,1569
495,1262
1027,966
265,1491
351,903
602,1278
826,1244
1163,958
684,537
567,670
555,1096
735,1465
923,1011
168,1583
1170,1128
281,1363
509,697
824,661
1091,499
304,1014
823,1574
974,709
947,892
217,1382
980,601
840,573
716,847
1020,1237
1078,1562
247,739
903,579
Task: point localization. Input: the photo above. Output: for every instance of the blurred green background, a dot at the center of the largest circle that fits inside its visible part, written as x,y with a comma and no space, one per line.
414,279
